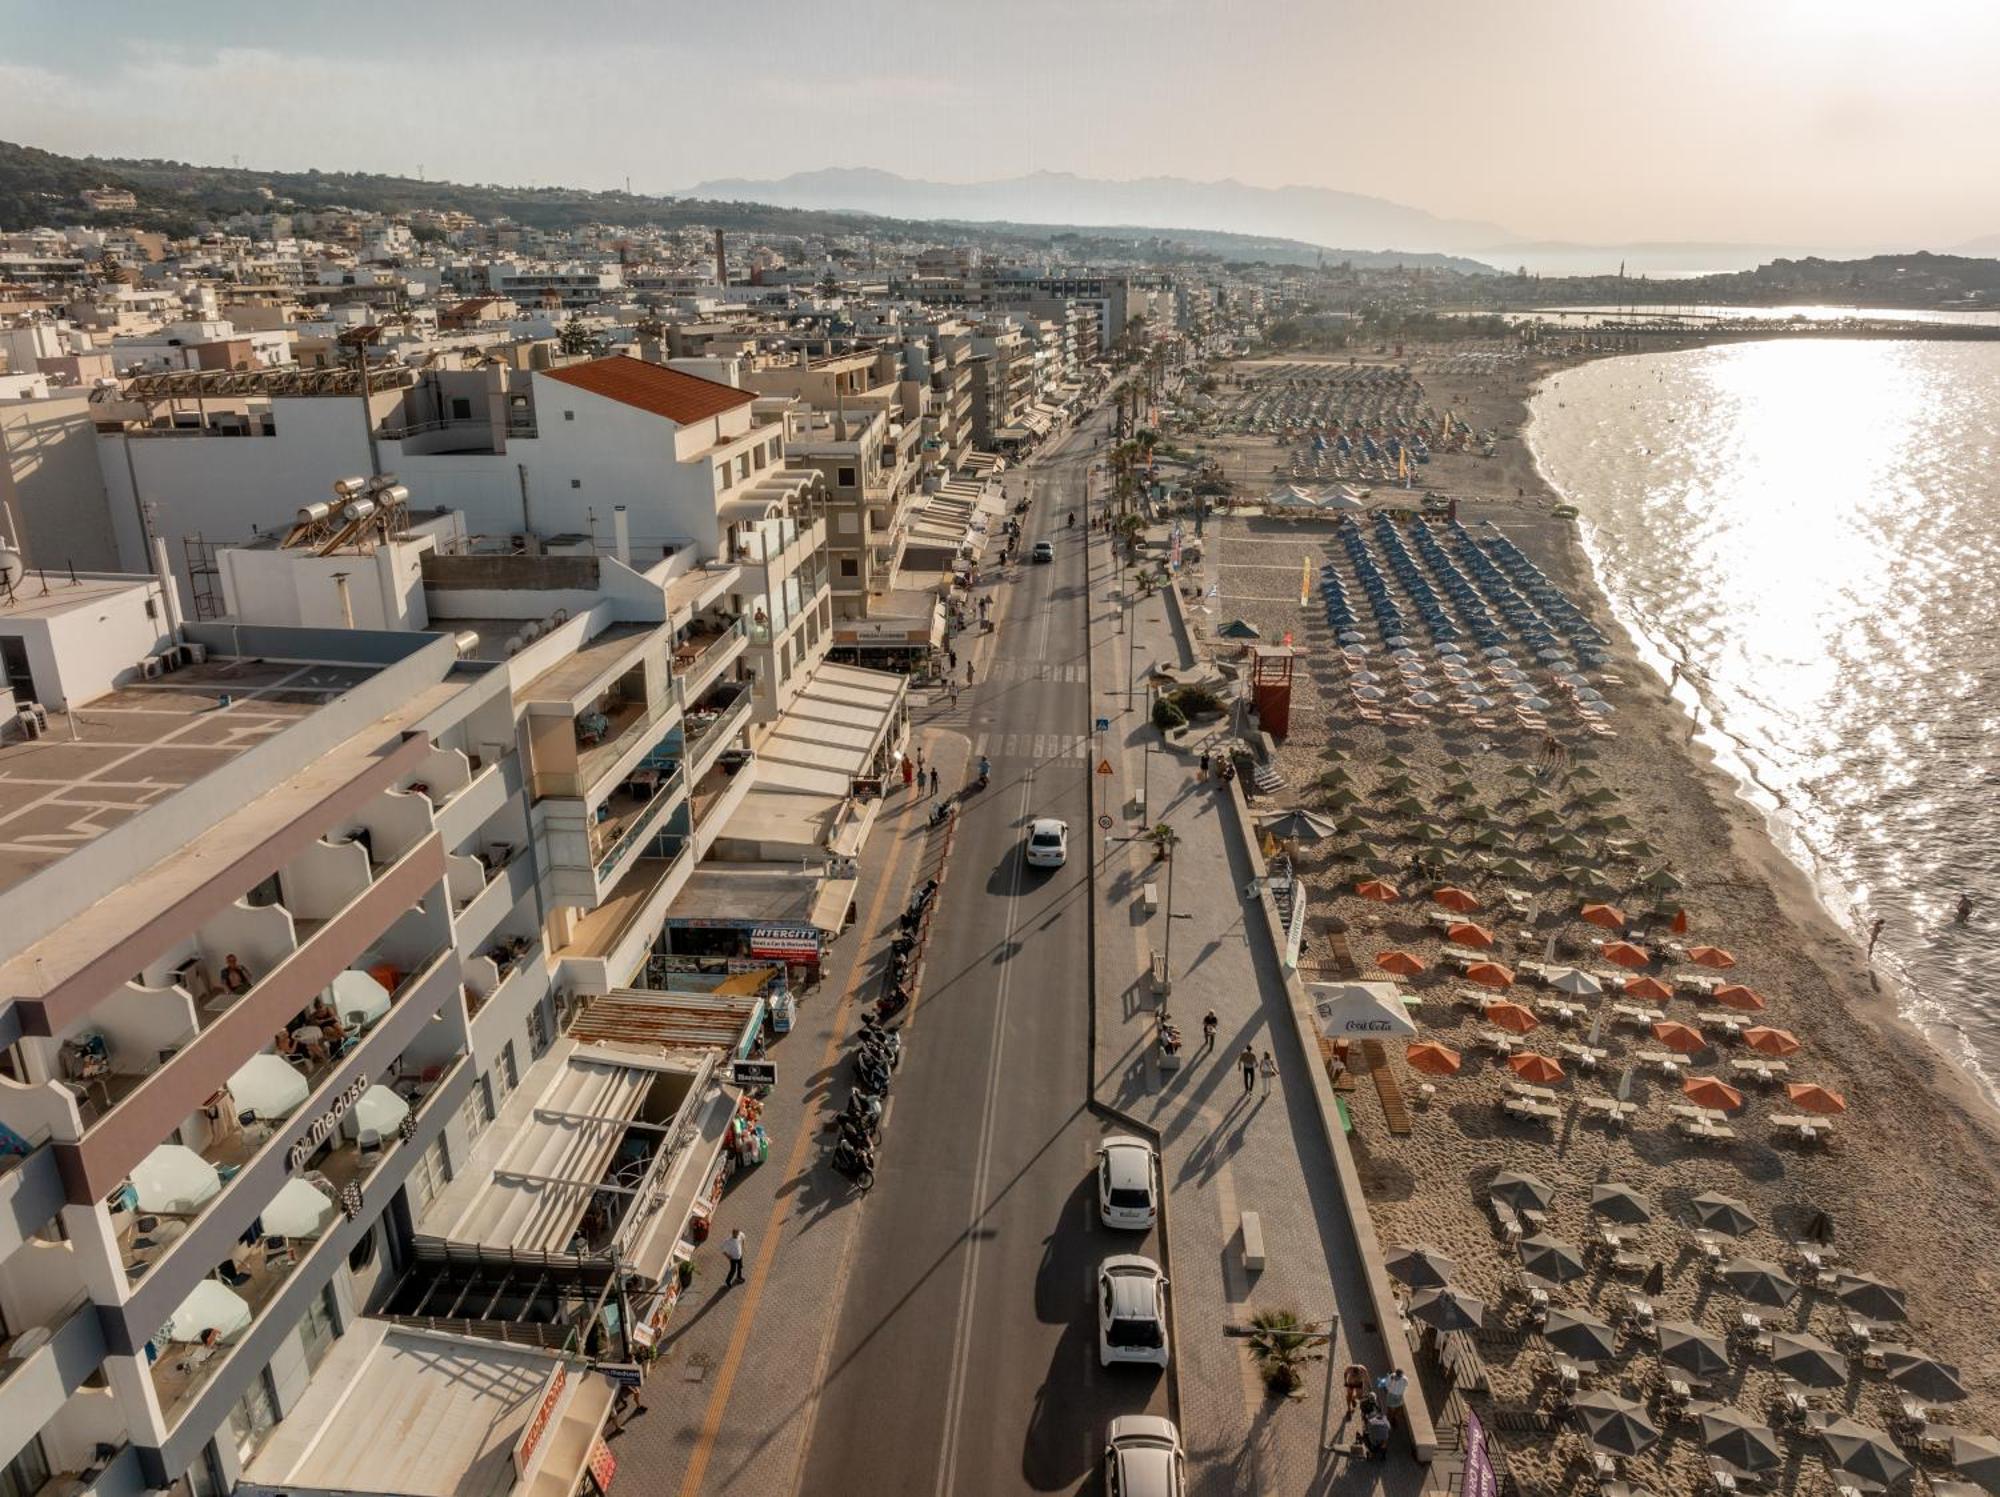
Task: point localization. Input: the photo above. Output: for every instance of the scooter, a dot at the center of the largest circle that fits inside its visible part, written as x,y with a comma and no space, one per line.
941,812
864,1110
892,1002
880,1051
858,1164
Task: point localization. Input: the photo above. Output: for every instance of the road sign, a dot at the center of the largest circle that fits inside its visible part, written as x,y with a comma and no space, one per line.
1105,823
1104,725
754,1072
1104,766
620,1372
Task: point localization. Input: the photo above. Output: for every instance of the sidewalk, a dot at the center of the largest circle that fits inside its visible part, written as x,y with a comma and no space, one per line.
1225,1151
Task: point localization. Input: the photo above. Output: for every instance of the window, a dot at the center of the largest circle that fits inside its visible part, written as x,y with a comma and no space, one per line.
722,478
319,1328
428,1177
576,483
25,1474
849,567
569,415
845,478
253,1415
538,1030
508,1072
743,465
847,522
477,1110
461,408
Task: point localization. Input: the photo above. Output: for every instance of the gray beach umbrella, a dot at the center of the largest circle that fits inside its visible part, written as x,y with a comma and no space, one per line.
1551,1258
1581,1336
1620,1203
1808,1360
1522,1192
1922,1374
1864,1452
1297,825
1421,1266
1759,1282
1721,1213
1685,1345
1740,1440
1977,1457
1447,1309
1576,982
1615,1425
1867,1295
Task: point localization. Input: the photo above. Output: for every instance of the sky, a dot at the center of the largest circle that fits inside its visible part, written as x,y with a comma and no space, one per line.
1864,123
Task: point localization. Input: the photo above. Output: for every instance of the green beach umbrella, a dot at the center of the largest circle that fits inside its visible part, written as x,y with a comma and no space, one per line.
1513,868
1639,847
1340,795
1617,822
1581,772
1399,783
1351,823
1661,881
1486,836
1409,805
1459,789
1333,777
1566,842
1543,817
1518,772
1391,761
1474,810
1601,796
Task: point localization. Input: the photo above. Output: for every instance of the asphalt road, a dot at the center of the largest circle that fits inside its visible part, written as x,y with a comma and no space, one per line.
965,1360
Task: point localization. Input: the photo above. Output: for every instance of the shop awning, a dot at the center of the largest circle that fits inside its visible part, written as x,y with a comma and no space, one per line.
727,1022
828,736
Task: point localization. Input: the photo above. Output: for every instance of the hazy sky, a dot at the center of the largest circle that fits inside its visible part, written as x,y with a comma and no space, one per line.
1827,122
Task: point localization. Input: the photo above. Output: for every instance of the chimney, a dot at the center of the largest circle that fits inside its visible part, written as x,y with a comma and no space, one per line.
621,535
721,261
163,573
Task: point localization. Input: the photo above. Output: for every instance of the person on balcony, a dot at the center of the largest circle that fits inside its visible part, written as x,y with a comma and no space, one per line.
236,979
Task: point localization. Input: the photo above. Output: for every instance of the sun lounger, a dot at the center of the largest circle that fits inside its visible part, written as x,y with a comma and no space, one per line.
1530,1112
1506,1221
1608,1109
1635,1016
1704,1131
1710,1247
1497,1041
1587,1057
1532,1093
1699,1114
1807,1130
1666,1062
1720,1022
1766,1072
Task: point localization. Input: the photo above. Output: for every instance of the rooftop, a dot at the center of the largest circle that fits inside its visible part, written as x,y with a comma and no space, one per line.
678,396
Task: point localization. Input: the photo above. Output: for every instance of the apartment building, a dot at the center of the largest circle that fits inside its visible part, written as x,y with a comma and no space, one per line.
1003,383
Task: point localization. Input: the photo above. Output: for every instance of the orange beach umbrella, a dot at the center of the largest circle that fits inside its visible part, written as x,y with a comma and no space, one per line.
1625,954
1433,1059
1607,915
1680,924
1489,975
1402,963
1735,995
1813,1097
1711,956
1465,933
1376,889
1538,1069
1649,988
1706,1091
1455,899
1684,1038
1511,1017
1767,1041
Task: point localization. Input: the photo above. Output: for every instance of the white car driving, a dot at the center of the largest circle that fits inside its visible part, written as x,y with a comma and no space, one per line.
1131,1311
1048,843
1143,1458
1128,1183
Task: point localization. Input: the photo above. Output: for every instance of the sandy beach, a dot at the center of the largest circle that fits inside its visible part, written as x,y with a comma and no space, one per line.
1909,1178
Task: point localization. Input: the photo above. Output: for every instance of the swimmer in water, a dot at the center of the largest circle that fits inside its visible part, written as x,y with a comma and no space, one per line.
1964,908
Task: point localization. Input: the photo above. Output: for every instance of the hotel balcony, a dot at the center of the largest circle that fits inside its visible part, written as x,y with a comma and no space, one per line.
714,723
705,651
485,888
632,813
608,738
43,1364
609,944
718,793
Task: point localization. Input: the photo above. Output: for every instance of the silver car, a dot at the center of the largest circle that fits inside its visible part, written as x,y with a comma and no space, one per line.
1143,1458
1131,1311
1128,1183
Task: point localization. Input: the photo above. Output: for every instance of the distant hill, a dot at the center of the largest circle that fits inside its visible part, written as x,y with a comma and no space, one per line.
1315,215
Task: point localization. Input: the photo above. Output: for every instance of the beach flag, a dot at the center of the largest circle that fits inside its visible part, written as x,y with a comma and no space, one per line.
1402,469
1305,581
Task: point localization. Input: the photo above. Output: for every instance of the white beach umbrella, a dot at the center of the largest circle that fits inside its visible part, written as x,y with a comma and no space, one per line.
1363,678
1534,703
175,1179
1404,654
1423,699
380,1111
1479,703
1348,1009
1370,693
1496,652
358,998
1397,642
267,1085
211,1306
300,1209
1571,980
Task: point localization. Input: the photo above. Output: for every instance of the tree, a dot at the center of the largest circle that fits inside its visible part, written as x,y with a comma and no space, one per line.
1279,1342
575,338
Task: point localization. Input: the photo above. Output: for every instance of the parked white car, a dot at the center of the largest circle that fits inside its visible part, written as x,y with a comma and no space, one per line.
1128,1184
1131,1311
1143,1458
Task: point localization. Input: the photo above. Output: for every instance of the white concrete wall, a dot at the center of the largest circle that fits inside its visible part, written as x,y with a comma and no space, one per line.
78,656
385,588
49,474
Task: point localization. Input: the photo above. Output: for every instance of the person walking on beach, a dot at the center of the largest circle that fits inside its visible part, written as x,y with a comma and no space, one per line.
1874,935
732,1249
1267,1068
1208,1026
1247,1063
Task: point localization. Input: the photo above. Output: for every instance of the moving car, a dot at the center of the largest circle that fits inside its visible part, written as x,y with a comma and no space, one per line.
1048,842
1044,551
1128,1175
1131,1311
1143,1458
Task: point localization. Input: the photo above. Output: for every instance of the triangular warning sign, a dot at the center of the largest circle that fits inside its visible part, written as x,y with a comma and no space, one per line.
1104,766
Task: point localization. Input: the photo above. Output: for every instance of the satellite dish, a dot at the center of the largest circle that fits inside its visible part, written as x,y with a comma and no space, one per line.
12,568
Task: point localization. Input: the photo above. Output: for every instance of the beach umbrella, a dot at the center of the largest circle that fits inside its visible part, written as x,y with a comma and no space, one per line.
1538,1069
1392,761
1601,796
1607,915
1735,995
1567,842
1625,954
1706,1091
1575,982
358,998
1551,1259
210,1306
1615,1425
1424,699
1620,1203
1618,823
1474,810
1687,1346
1649,988
1721,1213
1398,783
1377,890
1807,1360
1370,693
1680,922
1447,1309
1809,1096
1770,1041
1297,826
1743,1442
1421,1266
1351,823
1460,788
1371,1009
1515,1018
1580,1336
1465,933
1978,1457
1864,1452
1433,1059
1513,868
1865,1294
174,1179
1489,975
1239,629
1339,797
1454,899
1522,1192
1518,772
1920,1373
1401,963
268,1085
299,1209
1661,881
1711,956
1682,1038
1542,817
379,1111
1759,1282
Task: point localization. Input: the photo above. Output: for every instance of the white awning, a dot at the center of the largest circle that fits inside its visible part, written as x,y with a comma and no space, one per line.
1355,1010
831,731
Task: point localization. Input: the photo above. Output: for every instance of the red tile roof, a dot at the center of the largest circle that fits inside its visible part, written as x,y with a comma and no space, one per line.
679,397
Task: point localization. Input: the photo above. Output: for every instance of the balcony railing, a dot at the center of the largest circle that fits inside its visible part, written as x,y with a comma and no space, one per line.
611,839
629,724
703,645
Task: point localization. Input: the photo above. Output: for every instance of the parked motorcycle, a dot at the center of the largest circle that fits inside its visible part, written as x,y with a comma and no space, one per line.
858,1164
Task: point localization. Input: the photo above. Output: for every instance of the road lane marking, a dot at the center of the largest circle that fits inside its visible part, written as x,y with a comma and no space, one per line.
968,1288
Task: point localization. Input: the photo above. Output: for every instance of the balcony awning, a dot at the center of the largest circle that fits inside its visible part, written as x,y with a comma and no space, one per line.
831,731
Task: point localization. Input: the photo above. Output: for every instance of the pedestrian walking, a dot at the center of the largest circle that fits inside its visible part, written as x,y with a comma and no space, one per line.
1247,1063
1267,1068
1393,1386
954,696
1208,1027
1356,1380
1874,935
1202,772
732,1249
968,673
909,771
951,659
934,779
625,1405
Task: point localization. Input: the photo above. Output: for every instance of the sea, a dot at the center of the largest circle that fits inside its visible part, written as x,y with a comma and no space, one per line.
1812,532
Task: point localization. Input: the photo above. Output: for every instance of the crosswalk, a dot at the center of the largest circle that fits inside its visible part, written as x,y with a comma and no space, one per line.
1039,748
1012,668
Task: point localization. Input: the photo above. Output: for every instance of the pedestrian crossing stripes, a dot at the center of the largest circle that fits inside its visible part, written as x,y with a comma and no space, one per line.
1013,668
1039,748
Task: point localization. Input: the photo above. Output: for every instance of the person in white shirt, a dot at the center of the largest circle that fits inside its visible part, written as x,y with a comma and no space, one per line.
732,1249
